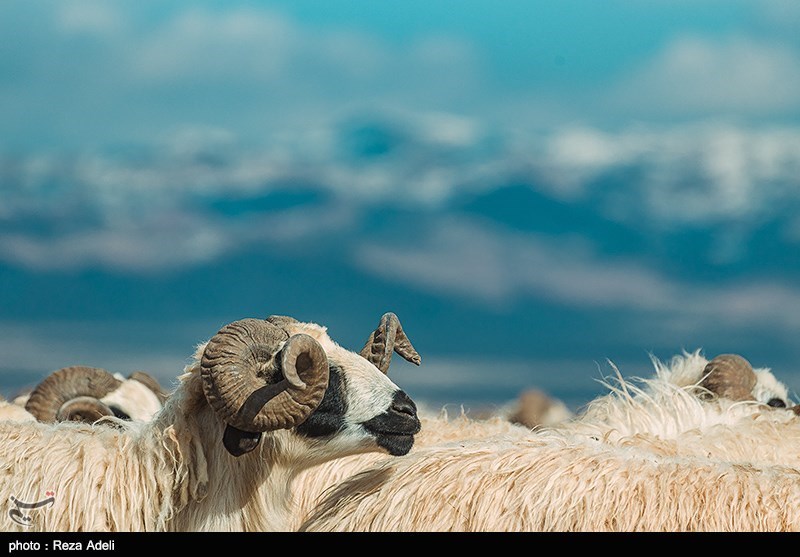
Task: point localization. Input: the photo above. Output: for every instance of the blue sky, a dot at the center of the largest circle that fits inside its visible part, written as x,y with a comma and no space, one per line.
91,74
536,187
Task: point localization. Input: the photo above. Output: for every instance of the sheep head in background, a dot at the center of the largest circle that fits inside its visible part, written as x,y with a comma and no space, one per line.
535,408
151,383
727,376
733,377
87,394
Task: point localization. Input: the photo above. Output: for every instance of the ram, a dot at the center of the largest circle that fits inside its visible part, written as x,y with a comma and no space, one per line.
84,393
665,457
261,400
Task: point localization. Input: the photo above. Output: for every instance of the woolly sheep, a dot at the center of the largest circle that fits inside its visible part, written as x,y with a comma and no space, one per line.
261,400
663,457
533,408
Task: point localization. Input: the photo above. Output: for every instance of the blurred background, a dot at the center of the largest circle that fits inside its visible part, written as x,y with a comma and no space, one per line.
537,189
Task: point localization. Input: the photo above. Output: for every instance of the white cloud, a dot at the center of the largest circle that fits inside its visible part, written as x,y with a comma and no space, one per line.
688,175
783,15
261,72
168,239
89,16
697,75
280,58
465,260
249,69
734,172
447,129
129,249
187,141
244,44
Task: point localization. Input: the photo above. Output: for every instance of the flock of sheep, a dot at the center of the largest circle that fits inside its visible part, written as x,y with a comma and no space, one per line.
273,426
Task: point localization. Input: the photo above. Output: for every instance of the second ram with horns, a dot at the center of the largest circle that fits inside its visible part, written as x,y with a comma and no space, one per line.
87,394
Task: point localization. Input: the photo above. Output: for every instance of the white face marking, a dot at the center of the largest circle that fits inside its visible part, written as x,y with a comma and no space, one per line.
135,399
768,387
369,391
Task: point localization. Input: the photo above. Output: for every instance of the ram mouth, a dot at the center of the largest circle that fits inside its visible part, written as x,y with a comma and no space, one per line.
397,444
398,437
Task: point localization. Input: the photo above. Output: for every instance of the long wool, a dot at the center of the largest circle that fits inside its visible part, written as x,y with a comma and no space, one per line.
665,414
122,477
312,485
650,455
545,483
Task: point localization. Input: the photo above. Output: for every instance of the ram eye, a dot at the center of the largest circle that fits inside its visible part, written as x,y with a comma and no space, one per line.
776,403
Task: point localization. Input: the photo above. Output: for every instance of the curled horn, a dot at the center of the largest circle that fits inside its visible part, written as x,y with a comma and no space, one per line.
52,399
388,337
83,409
258,378
730,376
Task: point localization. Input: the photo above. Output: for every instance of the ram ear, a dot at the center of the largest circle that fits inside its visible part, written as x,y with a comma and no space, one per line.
239,442
388,337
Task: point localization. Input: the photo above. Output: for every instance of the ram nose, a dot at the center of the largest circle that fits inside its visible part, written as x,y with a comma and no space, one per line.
395,428
402,404
405,412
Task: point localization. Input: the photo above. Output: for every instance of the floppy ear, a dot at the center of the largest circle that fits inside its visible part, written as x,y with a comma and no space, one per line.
239,442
